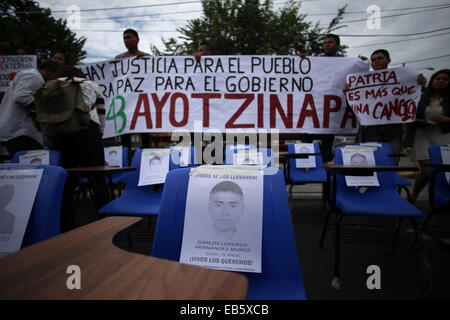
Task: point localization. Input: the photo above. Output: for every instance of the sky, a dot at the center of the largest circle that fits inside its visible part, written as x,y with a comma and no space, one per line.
415,32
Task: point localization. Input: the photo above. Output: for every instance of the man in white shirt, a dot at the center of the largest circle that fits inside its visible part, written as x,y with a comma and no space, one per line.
17,129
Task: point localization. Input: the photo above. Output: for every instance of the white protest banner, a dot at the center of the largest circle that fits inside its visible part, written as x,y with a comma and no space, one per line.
18,190
162,94
10,65
445,154
154,166
359,156
223,219
309,162
384,96
248,157
114,156
35,157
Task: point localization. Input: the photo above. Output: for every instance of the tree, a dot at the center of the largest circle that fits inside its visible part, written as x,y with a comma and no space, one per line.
25,25
249,27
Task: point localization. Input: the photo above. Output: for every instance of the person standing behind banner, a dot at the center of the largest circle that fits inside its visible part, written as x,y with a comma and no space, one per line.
60,58
131,41
390,133
17,128
83,148
204,49
432,125
330,49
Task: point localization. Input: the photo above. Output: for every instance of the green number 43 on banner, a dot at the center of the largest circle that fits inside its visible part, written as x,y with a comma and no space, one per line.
113,114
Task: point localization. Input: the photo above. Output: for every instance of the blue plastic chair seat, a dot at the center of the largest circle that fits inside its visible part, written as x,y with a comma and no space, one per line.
134,204
352,202
135,200
117,178
400,181
275,288
311,176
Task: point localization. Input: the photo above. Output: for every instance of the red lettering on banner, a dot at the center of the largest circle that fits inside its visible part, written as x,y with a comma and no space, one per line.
159,105
377,78
353,95
380,93
393,76
309,100
142,100
327,109
351,79
260,110
403,108
360,108
276,106
373,78
173,100
348,115
397,91
248,99
206,97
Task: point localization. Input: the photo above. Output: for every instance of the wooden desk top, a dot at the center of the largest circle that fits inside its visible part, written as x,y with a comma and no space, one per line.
442,167
363,170
108,272
300,155
98,170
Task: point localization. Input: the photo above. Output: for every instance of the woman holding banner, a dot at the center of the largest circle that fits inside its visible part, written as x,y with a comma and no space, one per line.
432,125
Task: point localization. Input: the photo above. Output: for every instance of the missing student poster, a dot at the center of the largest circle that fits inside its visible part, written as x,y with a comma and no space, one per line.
18,190
154,166
35,157
360,156
310,161
113,156
223,219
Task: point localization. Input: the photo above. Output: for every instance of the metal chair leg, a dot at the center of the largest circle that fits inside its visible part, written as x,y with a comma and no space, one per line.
324,228
324,196
397,234
422,255
336,282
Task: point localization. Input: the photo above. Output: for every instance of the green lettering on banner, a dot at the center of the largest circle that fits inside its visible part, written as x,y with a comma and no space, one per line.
112,115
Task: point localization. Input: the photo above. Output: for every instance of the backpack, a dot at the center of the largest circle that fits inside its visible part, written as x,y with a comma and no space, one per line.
59,108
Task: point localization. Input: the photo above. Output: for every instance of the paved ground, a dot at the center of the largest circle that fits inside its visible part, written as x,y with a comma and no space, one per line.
365,242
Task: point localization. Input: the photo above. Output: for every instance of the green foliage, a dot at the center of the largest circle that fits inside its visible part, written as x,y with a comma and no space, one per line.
25,25
249,27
